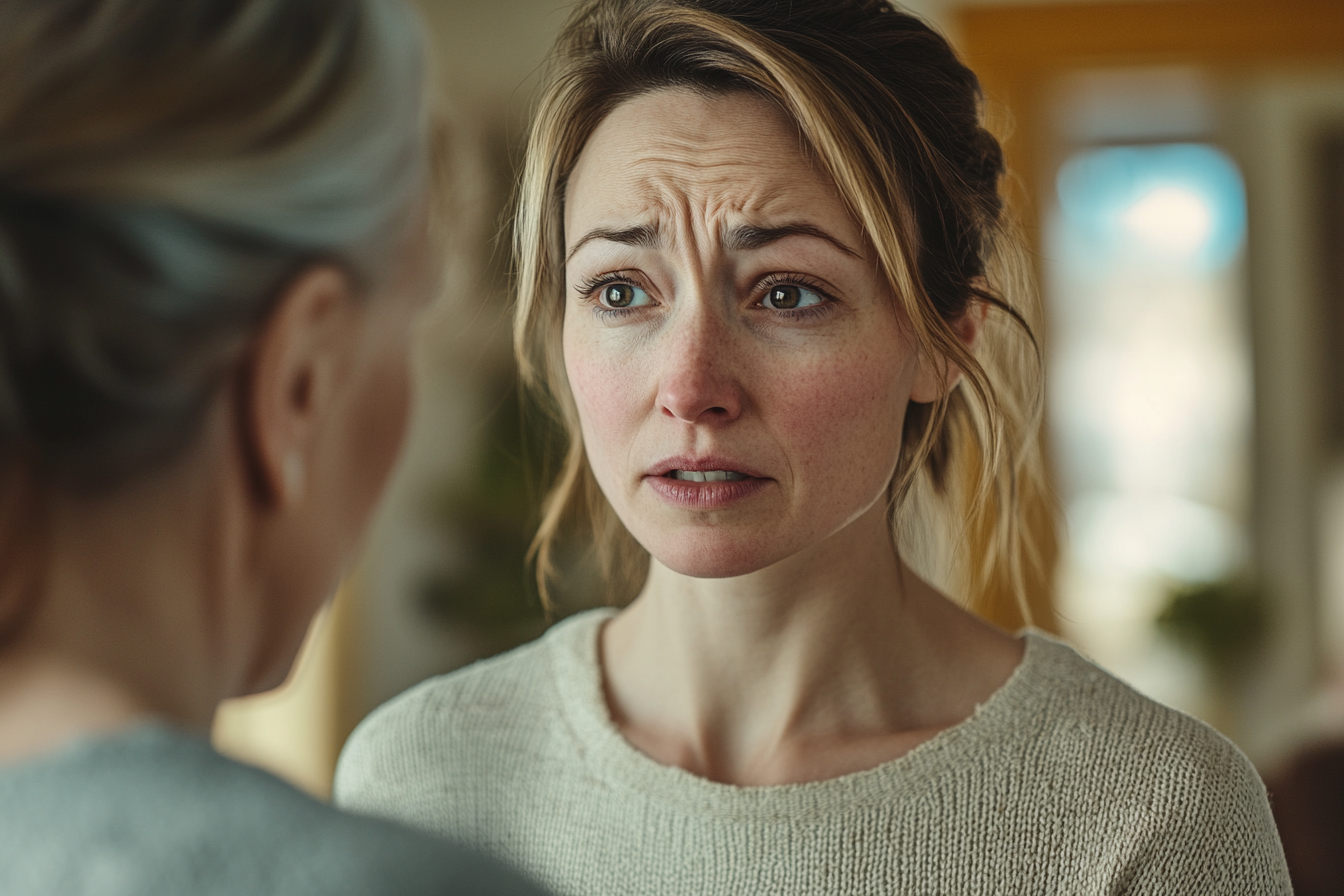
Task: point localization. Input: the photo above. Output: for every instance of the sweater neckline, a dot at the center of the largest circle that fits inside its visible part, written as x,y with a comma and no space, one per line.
609,756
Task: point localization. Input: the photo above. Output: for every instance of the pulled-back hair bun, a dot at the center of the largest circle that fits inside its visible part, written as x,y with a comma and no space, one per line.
165,167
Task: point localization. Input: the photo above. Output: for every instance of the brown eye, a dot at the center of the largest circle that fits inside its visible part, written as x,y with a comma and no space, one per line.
623,295
785,297
788,297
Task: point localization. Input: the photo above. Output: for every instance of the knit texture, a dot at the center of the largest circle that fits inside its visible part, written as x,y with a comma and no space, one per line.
156,812
1065,781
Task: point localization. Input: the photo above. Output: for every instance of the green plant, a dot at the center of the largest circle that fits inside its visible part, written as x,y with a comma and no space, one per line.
1221,622
491,514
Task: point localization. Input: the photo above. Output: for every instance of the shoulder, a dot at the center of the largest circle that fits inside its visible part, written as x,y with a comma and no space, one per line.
320,849
157,811
494,721
516,687
1086,717
501,685
1187,801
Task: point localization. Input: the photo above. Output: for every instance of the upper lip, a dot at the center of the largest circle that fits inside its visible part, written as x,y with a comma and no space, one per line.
701,465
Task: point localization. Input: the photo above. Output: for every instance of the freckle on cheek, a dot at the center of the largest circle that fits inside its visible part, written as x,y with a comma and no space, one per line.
833,400
603,401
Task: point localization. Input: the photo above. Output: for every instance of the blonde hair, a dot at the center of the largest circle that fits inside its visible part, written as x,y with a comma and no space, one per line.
895,119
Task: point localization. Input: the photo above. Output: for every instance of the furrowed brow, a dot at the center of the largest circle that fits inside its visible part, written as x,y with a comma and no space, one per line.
745,237
644,236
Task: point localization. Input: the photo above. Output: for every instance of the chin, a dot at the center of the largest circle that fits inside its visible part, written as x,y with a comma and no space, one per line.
264,685
268,679
715,557
275,658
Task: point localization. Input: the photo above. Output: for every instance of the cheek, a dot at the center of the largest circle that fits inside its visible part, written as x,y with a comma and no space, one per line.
388,412
842,416
390,402
377,424
606,387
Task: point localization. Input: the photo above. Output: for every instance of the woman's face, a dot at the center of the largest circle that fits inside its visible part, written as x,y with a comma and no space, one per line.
739,367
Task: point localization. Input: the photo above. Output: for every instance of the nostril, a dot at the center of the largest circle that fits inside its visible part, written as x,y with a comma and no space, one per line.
703,395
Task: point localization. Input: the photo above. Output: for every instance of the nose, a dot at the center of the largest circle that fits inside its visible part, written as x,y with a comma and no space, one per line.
698,381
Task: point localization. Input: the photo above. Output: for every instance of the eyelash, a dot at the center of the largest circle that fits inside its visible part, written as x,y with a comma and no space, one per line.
809,313
588,290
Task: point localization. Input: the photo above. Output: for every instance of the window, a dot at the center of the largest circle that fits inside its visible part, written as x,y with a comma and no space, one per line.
1150,394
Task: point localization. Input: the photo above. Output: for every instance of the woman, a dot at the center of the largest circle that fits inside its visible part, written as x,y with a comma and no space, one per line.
211,229
763,277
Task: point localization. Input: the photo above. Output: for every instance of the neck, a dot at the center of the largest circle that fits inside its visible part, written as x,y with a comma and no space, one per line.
831,661
132,585
49,699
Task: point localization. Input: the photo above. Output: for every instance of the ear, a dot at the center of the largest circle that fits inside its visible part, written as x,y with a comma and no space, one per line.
937,376
291,378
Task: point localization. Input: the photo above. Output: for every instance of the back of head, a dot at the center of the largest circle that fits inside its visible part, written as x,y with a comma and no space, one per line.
166,166
895,119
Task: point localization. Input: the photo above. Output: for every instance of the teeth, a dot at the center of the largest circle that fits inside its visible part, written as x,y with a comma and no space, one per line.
707,475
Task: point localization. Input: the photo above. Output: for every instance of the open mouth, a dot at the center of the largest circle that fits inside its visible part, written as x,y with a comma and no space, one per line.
705,475
704,489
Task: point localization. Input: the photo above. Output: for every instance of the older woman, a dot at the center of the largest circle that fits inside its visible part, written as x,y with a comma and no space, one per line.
211,230
764,279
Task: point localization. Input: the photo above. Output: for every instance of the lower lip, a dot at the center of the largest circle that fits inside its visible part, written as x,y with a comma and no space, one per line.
704,495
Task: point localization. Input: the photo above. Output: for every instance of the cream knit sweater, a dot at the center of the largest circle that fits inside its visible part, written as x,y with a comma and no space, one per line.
1065,781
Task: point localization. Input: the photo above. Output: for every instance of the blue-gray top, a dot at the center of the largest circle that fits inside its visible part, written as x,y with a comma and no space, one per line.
157,812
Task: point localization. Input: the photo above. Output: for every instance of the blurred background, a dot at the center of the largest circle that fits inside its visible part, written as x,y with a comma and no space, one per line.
1178,168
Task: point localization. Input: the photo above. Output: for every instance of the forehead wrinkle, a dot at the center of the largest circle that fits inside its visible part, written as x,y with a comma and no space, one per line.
708,166
666,215
723,150
739,218
703,190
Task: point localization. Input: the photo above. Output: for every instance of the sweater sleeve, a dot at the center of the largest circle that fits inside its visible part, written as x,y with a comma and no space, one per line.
1225,843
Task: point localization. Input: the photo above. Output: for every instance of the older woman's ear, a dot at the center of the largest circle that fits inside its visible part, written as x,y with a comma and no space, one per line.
291,383
938,375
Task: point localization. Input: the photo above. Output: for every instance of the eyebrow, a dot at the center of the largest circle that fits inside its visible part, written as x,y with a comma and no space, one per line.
745,237
645,236
741,238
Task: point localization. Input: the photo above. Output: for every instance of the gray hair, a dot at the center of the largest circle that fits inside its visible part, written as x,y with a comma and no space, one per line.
166,167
